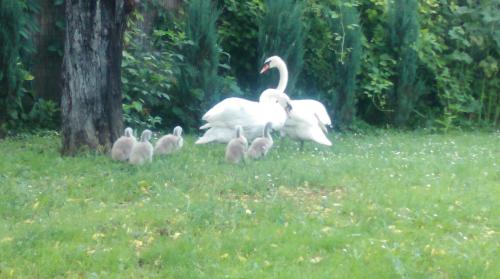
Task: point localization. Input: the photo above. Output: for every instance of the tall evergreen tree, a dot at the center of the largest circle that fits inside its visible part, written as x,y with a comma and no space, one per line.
239,30
198,79
281,33
10,24
404,27
347,63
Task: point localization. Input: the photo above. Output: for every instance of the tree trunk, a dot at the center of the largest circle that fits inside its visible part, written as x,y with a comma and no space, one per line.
92,101
48,62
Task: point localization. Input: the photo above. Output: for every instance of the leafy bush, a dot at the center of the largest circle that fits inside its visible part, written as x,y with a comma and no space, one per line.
45,114
147,74
170,73
318,69
238,32
16,48
473,62
178,63
10,75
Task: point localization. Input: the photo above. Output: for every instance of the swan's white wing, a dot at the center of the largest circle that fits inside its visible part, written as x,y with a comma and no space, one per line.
303,124
298,130
252,116
217,134
237,111
226,108
318,136
302,114
241,113
313,106
225,134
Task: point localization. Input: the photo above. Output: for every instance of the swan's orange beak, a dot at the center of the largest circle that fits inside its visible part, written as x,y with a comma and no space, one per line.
265,68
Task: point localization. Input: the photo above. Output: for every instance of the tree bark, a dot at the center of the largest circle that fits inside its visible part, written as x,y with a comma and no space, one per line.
92,101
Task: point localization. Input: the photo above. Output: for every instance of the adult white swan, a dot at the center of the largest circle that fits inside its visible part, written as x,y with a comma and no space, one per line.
308,118
251,116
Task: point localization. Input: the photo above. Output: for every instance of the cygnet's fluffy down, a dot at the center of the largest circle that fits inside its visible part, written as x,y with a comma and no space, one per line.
237,147
261,145
142,152
169,143
123,146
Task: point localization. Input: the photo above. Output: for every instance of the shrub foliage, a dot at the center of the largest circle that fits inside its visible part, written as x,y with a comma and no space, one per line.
407,63
347,33
281,33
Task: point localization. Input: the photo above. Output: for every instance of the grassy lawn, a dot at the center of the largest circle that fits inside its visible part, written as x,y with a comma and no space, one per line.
388,205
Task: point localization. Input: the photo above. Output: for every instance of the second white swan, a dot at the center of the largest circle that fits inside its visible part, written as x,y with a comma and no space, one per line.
251,116
308,118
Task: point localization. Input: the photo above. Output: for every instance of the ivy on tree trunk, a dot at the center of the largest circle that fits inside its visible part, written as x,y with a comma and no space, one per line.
92,101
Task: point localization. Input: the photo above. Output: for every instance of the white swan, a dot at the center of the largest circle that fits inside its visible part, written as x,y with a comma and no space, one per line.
304,124
251,116
308,118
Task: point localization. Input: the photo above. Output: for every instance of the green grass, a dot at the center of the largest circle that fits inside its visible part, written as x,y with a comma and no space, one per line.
379,206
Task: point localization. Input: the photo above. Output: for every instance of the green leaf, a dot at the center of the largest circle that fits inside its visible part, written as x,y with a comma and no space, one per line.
137,106
28,76
461,56
333,14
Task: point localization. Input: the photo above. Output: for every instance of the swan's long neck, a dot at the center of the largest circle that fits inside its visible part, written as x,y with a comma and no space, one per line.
267,130
177,131
282,69
145,136
128,132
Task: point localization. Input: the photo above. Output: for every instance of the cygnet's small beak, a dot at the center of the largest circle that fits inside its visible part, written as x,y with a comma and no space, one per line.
265,68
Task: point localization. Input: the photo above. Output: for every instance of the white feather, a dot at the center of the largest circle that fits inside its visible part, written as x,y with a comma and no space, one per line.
251,116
